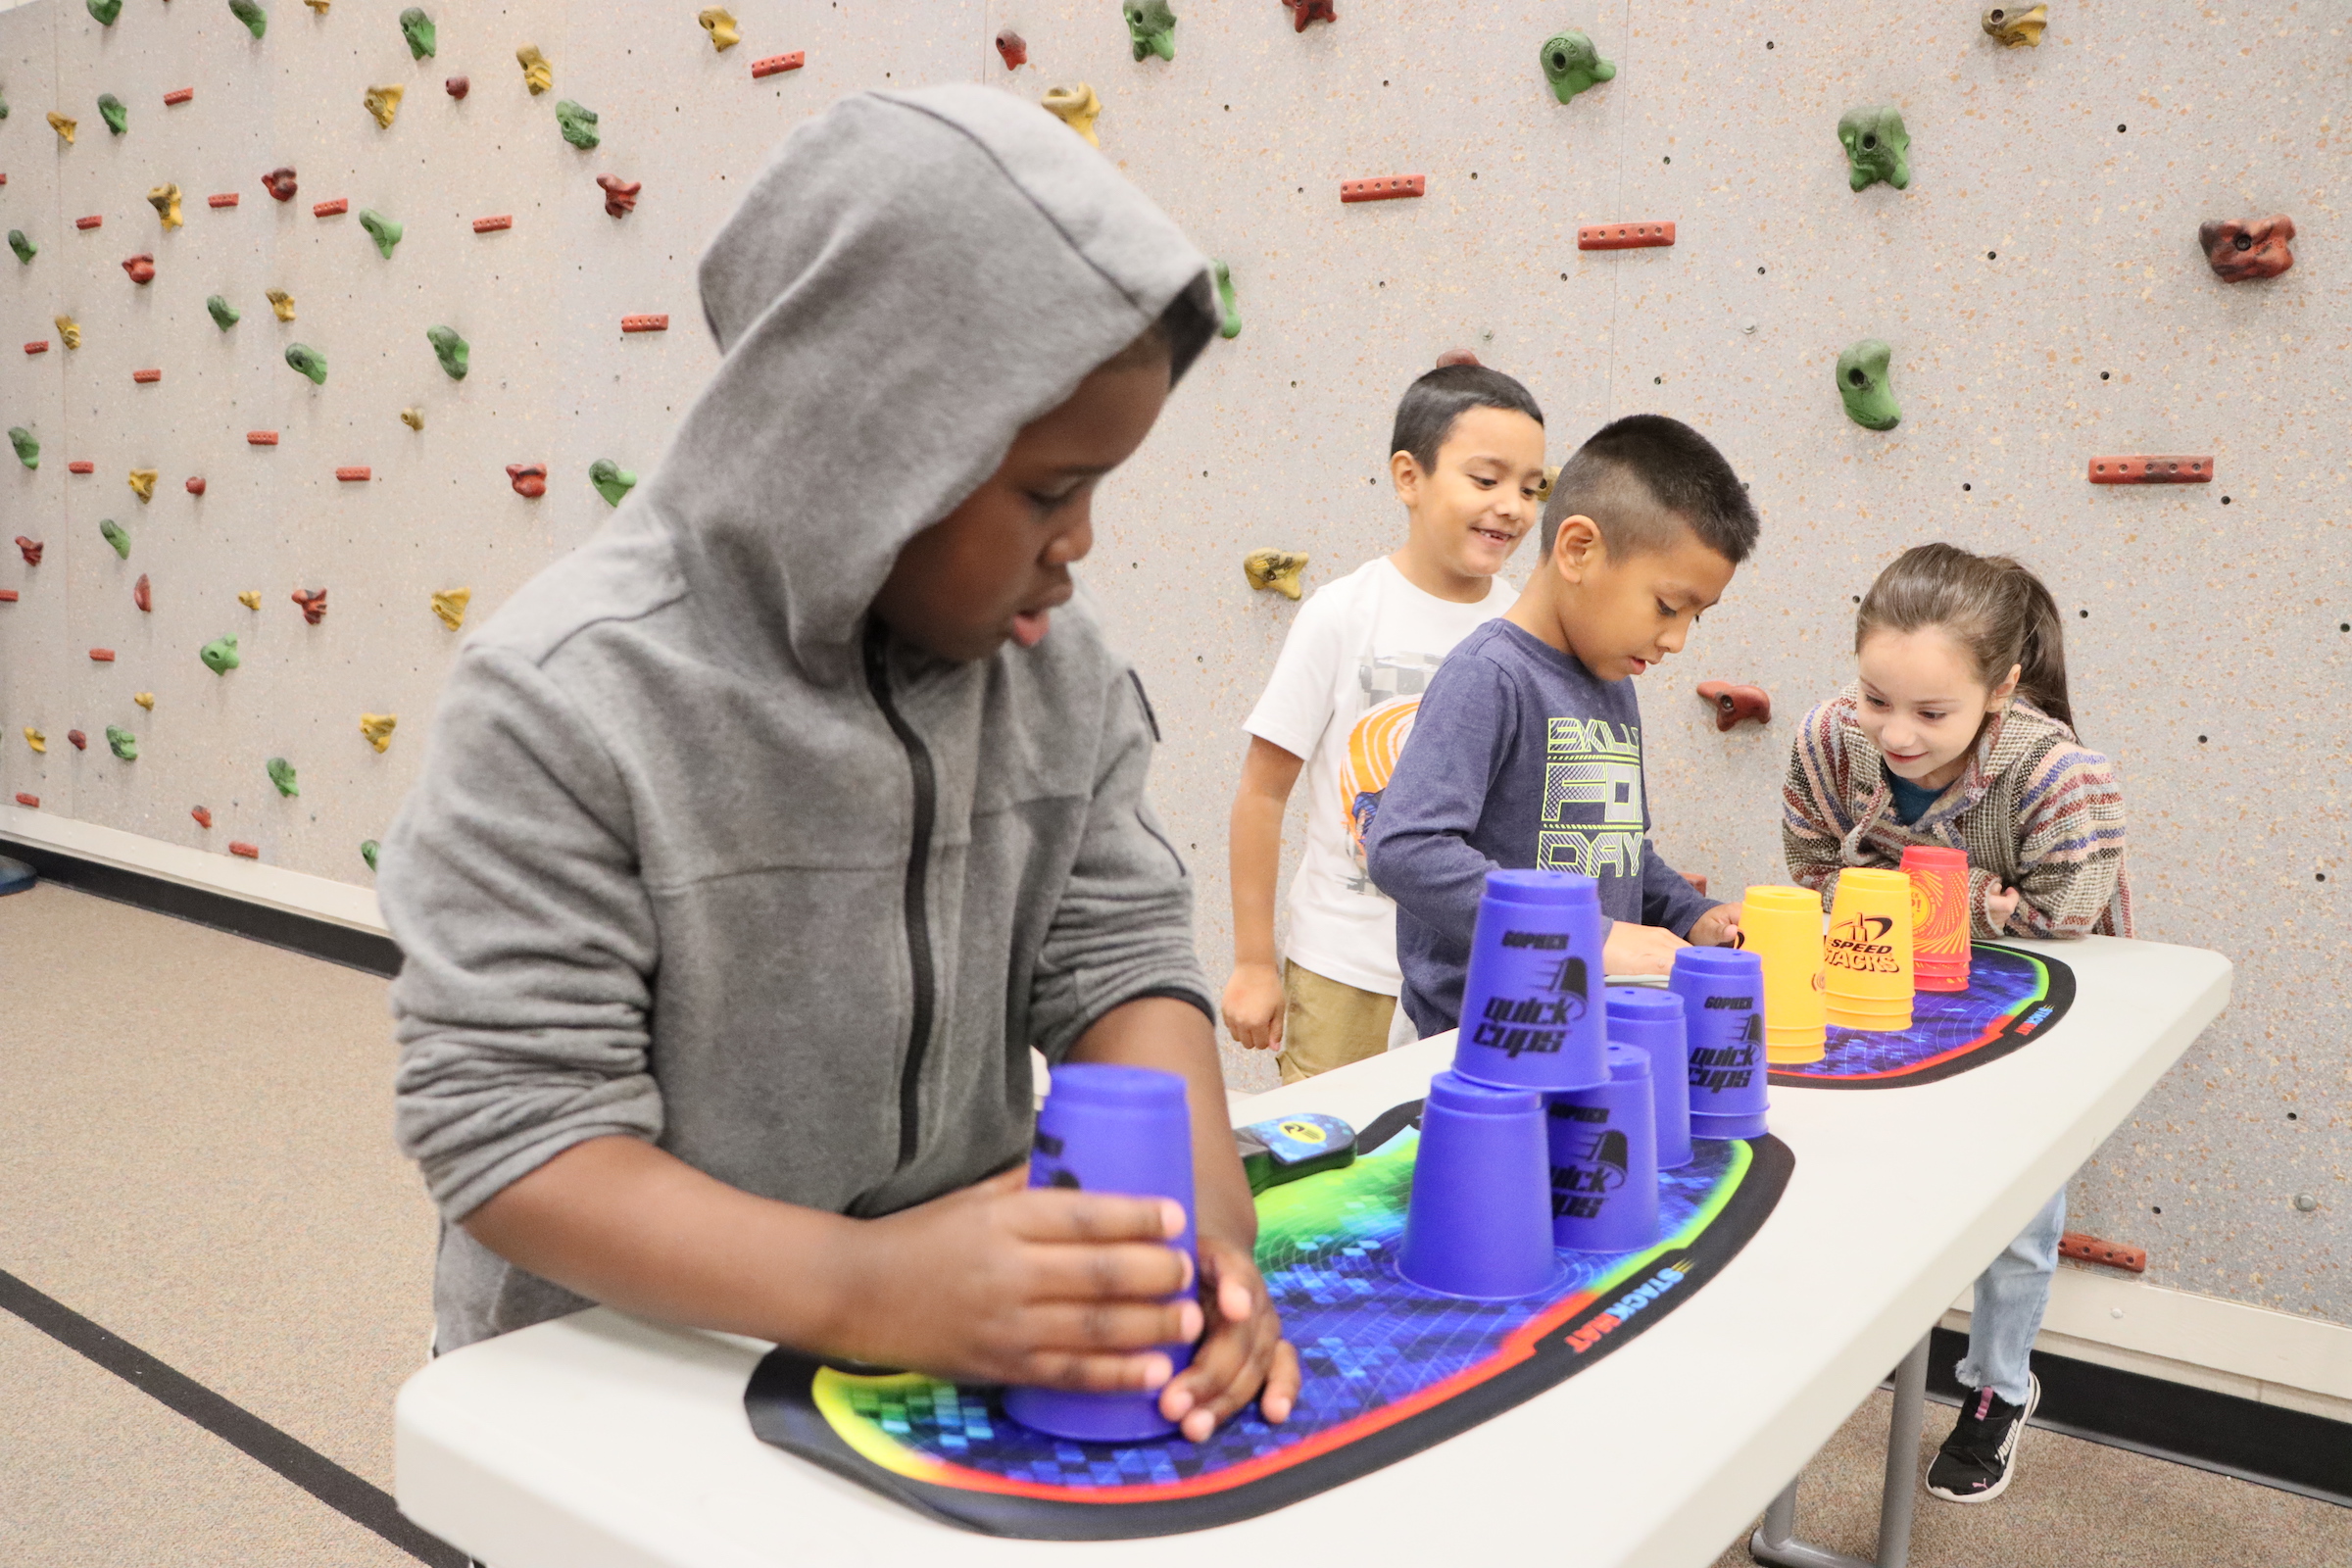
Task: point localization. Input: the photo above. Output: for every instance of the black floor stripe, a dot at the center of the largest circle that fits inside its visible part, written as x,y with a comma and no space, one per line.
305,1467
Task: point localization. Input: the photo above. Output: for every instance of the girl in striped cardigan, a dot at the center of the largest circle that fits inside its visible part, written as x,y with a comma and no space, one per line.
1957,732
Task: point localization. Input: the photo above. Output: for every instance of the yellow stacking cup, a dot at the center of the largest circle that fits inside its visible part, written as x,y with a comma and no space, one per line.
1868,953
1783,926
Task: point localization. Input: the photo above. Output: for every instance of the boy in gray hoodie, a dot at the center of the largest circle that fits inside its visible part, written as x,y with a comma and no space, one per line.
761,837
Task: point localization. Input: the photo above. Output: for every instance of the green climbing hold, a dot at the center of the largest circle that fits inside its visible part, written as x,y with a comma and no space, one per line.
220,655
28,450
224,315
106,11
368,851
125,744
1573,65
112,532
281,774
255,20
3,106
1862,383
612,480
111,110
578,123
308,361
26,249
417,28
1152,29
451,350
385,233
1230,325
1875,146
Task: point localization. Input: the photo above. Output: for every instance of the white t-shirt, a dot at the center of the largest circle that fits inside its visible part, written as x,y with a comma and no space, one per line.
1342,695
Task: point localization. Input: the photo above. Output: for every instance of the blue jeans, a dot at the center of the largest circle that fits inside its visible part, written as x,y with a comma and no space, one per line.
2011,1295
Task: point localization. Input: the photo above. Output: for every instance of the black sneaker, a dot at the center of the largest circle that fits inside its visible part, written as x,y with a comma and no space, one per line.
1977,1460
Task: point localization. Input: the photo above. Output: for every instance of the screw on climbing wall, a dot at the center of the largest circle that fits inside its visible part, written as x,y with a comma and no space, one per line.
250,599
383,102
1735,705
28,450
417,28
62,126
612,480
1076,107
279,183
1573,65
333,209
1231,324
1862,383
2017,26
280,302
141,268
105,11
1013,49
1303,11
449,349
2239,249
537,73
111,110
719,23
2305,1203
224,315
142,483
112,532
377,727
2138,468
281,774
1624,236
778,65
1277,570
24,248
123,743
250,851
179,95
658,323
527,478
620,197
31,548
1151,28
308,361
36,740
413,417
385,233
457,86
141,595
196,484
577,122
81,742
255,20
368,851
1877,147
69,331
1385,189
203,818
450,605
165,199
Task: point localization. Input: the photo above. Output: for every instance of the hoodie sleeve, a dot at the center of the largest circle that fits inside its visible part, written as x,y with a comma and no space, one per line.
1122,927
510,881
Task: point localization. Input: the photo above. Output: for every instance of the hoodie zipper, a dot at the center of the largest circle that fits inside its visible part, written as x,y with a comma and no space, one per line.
917,909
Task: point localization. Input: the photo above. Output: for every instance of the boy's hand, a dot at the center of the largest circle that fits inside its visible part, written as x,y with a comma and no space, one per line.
1717,927
1639,949
1999,907
1244,1355
1253,1007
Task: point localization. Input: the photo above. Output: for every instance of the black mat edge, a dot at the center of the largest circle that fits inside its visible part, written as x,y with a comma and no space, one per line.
2270,1445
223,911
2059,1003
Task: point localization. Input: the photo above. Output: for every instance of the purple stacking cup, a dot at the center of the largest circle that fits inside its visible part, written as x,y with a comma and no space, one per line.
1651,1019
1604,1159
1722,1020
1477,1224
1112,1129
1532,1011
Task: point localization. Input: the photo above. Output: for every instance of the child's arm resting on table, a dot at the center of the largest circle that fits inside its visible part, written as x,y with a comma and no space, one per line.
1669,899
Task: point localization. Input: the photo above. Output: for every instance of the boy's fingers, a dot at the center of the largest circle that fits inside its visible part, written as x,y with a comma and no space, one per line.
1281,1392
1064,1214
1061,1369
1079,1327
1134,1271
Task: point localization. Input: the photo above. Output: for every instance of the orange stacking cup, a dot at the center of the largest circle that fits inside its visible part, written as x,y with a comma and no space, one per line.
1867,956
1783,926
1940,947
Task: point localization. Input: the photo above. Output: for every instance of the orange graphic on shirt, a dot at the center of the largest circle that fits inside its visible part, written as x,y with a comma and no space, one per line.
1373,747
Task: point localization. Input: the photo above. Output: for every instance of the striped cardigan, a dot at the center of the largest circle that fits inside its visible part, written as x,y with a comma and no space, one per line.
2033,811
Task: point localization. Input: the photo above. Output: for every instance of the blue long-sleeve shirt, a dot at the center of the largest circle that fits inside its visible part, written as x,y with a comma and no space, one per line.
1518,757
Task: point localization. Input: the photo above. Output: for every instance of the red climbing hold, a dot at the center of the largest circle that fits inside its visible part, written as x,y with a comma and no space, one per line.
645,323
32,549
143,596
620,198
2115,1255
227,198
491,225
33,801
141,268
8,596
314,604
335,208
457,86
102,655
203,818
91,222
196,484
40,347
83,465
1014,48
1390,189
250,852
1623,237
279,182
1735,705
261,438
352,475
1456,357
2138,470
1303,11
81,742
528,478
179,95
143,378
775,64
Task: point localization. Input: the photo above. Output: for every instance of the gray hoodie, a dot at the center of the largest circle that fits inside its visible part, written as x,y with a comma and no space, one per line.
699,854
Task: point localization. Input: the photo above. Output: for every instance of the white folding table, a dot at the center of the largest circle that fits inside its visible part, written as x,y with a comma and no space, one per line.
601,1441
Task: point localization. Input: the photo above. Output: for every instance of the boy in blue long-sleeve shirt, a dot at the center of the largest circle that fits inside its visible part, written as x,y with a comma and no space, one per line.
1528,748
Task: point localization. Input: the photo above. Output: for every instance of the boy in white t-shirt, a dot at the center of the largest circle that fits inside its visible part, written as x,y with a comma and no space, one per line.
1467,459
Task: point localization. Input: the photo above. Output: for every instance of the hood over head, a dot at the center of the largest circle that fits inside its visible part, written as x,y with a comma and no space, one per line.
913,278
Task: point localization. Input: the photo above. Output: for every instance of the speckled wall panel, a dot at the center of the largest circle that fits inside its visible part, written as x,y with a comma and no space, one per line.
2039,283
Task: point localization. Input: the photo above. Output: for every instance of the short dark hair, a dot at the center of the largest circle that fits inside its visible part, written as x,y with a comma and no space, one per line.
1426,413
1641,477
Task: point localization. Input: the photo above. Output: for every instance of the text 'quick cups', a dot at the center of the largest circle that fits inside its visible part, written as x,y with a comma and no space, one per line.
1106,1128
1723,1021
1604,1160
1867,955
1532,1010
1782,925
1939,906
1651,1020
1479,1224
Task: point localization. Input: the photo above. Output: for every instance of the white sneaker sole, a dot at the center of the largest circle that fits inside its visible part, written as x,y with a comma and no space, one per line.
2008,1471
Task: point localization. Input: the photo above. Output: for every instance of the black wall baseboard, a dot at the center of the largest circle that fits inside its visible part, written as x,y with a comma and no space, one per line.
2291,1449
298,933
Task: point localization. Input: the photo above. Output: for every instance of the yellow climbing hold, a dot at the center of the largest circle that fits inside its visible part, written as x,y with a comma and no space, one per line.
413,419
377,727
165,199
1077,106
62,126
537,73
35,739
69,331
1543,490
282,302
383,102
250,599
721,26
319,6
145,700
142,483
451,605
1277,570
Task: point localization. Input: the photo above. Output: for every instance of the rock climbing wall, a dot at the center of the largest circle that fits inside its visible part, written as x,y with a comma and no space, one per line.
2039,284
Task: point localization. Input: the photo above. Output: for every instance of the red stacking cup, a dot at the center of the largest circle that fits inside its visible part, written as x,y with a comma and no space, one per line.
1939,945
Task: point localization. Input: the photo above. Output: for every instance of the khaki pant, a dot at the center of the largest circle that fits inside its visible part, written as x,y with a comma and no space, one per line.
1328,1024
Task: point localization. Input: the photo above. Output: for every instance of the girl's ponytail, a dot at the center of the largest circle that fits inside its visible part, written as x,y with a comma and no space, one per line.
2042,649
1992,606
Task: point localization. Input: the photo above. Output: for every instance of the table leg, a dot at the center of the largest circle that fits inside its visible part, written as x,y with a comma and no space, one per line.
1775,1542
